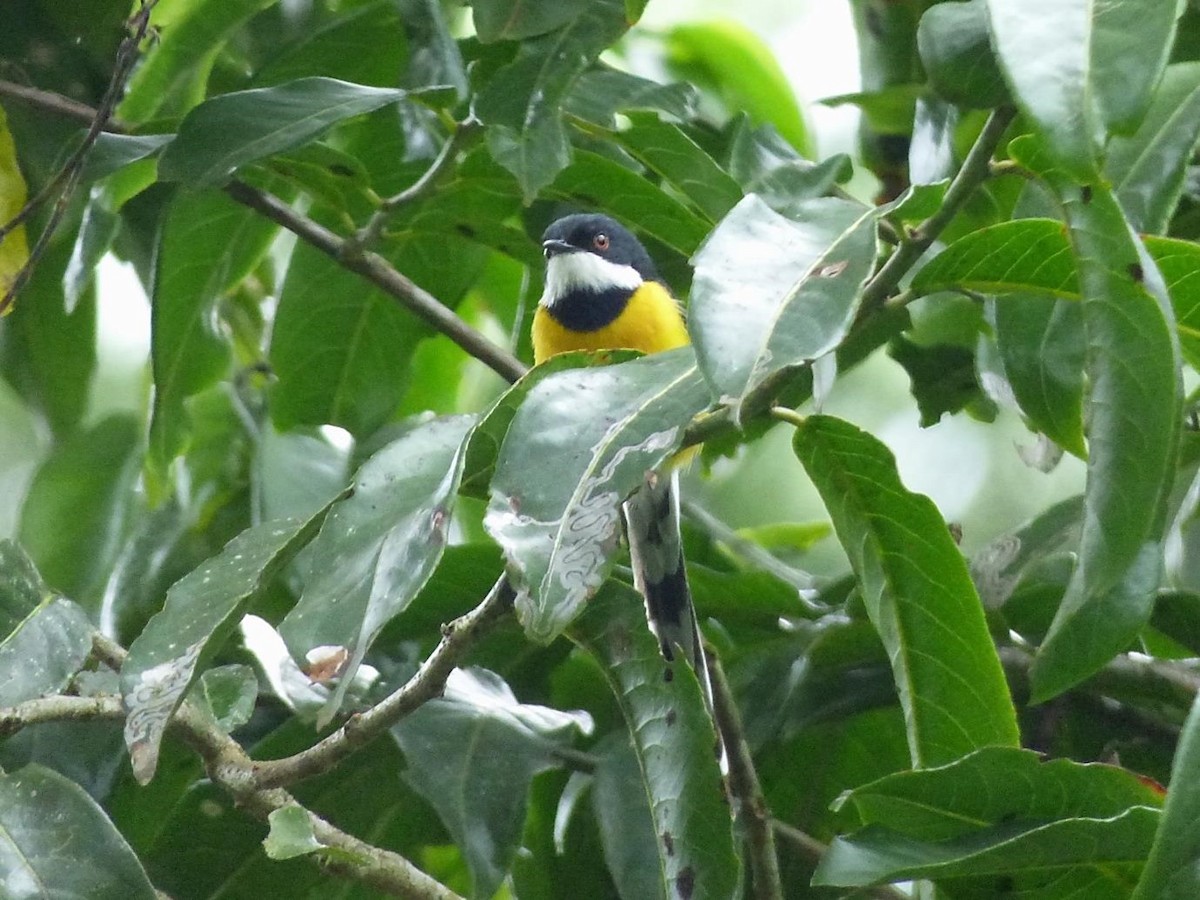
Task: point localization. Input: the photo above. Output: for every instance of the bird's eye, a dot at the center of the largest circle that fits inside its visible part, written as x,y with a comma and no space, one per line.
600,241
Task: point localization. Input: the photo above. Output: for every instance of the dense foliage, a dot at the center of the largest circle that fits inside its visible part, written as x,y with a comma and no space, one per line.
341,613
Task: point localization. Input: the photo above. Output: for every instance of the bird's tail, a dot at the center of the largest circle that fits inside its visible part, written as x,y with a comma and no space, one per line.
656,553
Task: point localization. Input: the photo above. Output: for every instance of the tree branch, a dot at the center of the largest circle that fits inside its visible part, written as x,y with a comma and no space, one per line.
812,850
426,684
743,781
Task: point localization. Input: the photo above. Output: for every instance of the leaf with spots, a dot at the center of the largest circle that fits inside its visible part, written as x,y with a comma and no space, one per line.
378,546
200,612
44,639
55,841
673,737
581,443
918,594
473,754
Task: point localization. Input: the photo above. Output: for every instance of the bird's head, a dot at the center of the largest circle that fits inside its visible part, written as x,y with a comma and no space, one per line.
592,254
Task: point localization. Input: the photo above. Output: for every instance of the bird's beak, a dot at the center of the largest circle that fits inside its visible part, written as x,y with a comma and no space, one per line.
555,247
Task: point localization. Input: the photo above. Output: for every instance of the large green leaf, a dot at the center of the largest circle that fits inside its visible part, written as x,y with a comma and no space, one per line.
1088,857
46,639
622,810
1133,435
1171,872
602,92
208,244
772,292
73,852
1148,168
172,77
581,442
957,54
78,503
523,103
201,610
503,20
674,739
763,163
225,133
378,546
473,754
1081,70
918,592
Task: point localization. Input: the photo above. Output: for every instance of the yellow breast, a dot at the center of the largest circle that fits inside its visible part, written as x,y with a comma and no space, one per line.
650,322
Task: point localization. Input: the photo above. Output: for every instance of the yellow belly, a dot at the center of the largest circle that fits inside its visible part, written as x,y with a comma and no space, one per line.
650,322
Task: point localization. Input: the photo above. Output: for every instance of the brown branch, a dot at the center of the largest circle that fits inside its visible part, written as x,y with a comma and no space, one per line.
812,850
67,177
743,781
429,681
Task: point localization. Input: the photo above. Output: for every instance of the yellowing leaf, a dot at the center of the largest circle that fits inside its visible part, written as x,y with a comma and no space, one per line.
14,250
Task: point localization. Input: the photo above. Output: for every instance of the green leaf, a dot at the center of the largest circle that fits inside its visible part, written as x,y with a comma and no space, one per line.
732,61
112,152
227,693
672,734
208,244
601,93
523,103
1133,435
667,151
296,473
582,441
1033,857
917,591
943,377
1148,168
627,829
1081,71
607,186
46,639
503,20
763,163
1041,344
225,133
171,78
200,612
77,504
1171,872
771,293
378,546
957,54
291,834
473,754
998,567
75,852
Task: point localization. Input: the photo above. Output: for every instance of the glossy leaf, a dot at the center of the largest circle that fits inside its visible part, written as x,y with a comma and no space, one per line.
1171,872
771,292
112,152
1133,436
225,133
200,612
76,852
917,591
957,54
473,754
581,442
1031,856
735,63
666,150
1082,71
499,20
378,546
523,103
672,734
1148,167
997,568
763,163
14,248
21,587
208,244
171,78
602,92
622,810
227,693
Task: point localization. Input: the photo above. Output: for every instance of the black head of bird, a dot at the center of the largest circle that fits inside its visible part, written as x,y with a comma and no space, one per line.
593,251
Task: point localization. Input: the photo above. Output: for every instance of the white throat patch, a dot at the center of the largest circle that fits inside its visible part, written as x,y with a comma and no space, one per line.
567,272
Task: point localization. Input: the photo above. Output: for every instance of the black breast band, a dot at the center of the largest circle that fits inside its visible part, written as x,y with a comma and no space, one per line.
584,310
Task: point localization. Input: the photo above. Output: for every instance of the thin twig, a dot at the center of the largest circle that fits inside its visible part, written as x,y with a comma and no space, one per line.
55,103
380,273
743,781
812,850
464,134
974,171
429,681
67,178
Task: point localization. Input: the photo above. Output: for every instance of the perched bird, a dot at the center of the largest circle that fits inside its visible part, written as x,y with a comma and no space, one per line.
604,293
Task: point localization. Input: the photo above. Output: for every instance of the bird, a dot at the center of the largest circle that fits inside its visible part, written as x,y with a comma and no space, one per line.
603,292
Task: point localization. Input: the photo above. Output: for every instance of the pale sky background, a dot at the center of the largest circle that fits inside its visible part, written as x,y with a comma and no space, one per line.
971,470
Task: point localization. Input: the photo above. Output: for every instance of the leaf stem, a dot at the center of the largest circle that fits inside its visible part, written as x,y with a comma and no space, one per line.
457,638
